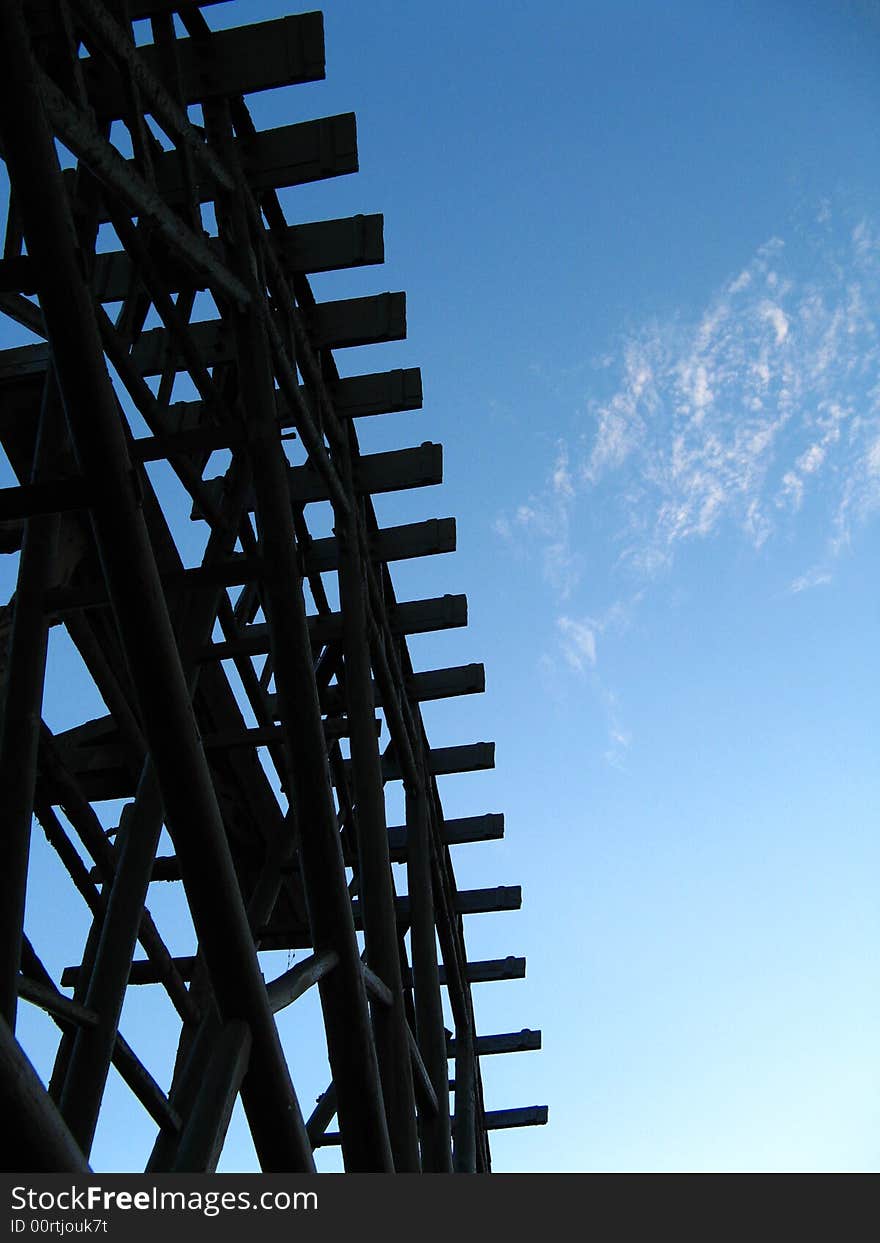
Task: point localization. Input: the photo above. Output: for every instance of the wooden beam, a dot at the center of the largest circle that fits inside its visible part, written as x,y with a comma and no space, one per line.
274,159
410,617
394,471
286,988
322,1115
144,972
47,497
357,321
68,1015
43,1142
494,1120
334,325
455,832
386,392
55,1003
403,543
205,1132
377,988
237,61
322,246
526,1041
506,1119
433,684
421,1078
486,970
470,758
468,902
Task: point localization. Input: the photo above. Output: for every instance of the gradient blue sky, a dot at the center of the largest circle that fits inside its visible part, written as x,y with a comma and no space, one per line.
641,246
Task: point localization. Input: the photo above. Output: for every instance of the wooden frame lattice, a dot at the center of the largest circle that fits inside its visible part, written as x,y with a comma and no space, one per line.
279,839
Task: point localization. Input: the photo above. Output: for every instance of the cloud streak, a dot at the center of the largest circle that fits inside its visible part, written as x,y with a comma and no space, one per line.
769,399
760,416
767,403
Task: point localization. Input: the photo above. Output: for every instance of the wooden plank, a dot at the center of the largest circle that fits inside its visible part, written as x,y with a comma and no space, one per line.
258,736
471,758
494,1120
221,1075
486,971
322,1115
55,1003
322,246
526,1041
65,1012
348,322
377,988
467,902
405,618
156,349
24,360
374,473
271,735
238,61
455,832
142,971
167,868
492,969
334,245
274,159
505,1119
410,617
358,321
403,543
286,988
421,687
421,1078
386,392
436,684
197,440
481,901
49,497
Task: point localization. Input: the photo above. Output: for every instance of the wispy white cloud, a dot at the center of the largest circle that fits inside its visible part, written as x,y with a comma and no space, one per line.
577,653
619,737
544,521
578,643
759,413
579,636
813,578
561,478
743,415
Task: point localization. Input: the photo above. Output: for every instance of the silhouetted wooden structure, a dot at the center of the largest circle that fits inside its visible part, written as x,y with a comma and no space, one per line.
278,825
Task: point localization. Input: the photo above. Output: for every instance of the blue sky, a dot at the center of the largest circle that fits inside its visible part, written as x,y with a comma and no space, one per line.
641,247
